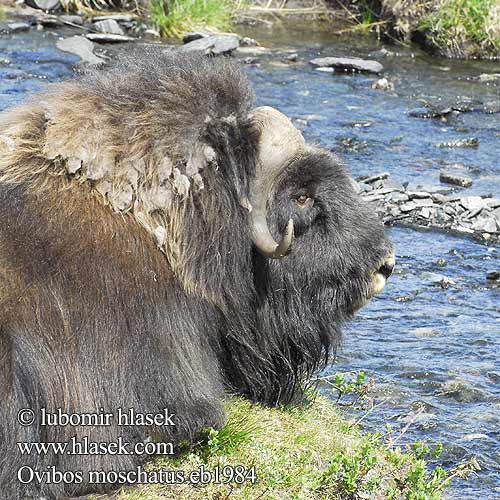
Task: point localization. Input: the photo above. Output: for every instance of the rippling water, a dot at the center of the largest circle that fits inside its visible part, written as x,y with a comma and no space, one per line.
432,351
426,347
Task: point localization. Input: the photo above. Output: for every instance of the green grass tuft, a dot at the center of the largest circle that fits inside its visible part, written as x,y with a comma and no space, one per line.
191,15
457,26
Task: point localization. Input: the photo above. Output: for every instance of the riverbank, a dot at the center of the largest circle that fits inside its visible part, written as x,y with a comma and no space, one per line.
464,29
435,207
306,453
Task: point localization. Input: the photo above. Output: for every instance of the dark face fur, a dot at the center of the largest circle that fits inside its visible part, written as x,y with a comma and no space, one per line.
339,243
339,259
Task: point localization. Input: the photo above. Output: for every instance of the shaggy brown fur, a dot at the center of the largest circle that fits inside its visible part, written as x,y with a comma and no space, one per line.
129,145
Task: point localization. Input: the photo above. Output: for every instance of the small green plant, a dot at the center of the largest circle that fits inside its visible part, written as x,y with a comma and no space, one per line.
354,473
418,482
175,17
368,18
351,389
237,431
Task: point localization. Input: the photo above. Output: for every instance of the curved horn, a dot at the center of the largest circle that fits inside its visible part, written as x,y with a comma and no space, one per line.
279,143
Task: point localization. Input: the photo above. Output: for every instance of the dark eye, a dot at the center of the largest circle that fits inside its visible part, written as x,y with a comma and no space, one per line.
304,201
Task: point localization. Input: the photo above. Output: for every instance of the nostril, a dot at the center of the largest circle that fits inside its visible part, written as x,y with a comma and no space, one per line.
387,267
386,270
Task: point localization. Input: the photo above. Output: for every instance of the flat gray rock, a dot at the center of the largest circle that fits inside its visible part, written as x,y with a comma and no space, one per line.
348,63
408,207
109,26
496,215
18,27
487,224
418,194
81,47
423,202
121,18
455,179
108,38
213,44
426,212
72,19
473,202
397,197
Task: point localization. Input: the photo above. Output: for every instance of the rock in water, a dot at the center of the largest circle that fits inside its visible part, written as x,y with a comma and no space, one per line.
214,44
382,84
80,46
441,113
325,70
455,179
191,36
348,63
72,19
44,4
489,77
468,142
492,107
108,38
120,18
18,27
109,26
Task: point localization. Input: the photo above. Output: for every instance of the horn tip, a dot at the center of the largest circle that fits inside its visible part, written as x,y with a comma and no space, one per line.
286,242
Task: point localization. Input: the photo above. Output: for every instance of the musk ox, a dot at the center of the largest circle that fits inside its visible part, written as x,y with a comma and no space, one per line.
164,243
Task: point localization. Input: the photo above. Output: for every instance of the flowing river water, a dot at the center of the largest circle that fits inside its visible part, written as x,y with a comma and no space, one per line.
432,351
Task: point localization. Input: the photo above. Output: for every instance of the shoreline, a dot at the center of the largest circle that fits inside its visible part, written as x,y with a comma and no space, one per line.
382,19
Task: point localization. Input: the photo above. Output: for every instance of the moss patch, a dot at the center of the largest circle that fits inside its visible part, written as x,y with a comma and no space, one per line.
307,453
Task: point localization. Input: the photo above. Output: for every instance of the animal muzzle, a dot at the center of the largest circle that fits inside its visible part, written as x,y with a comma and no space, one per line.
381,274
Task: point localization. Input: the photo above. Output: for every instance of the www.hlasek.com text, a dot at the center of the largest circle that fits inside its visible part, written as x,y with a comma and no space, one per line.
85,446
